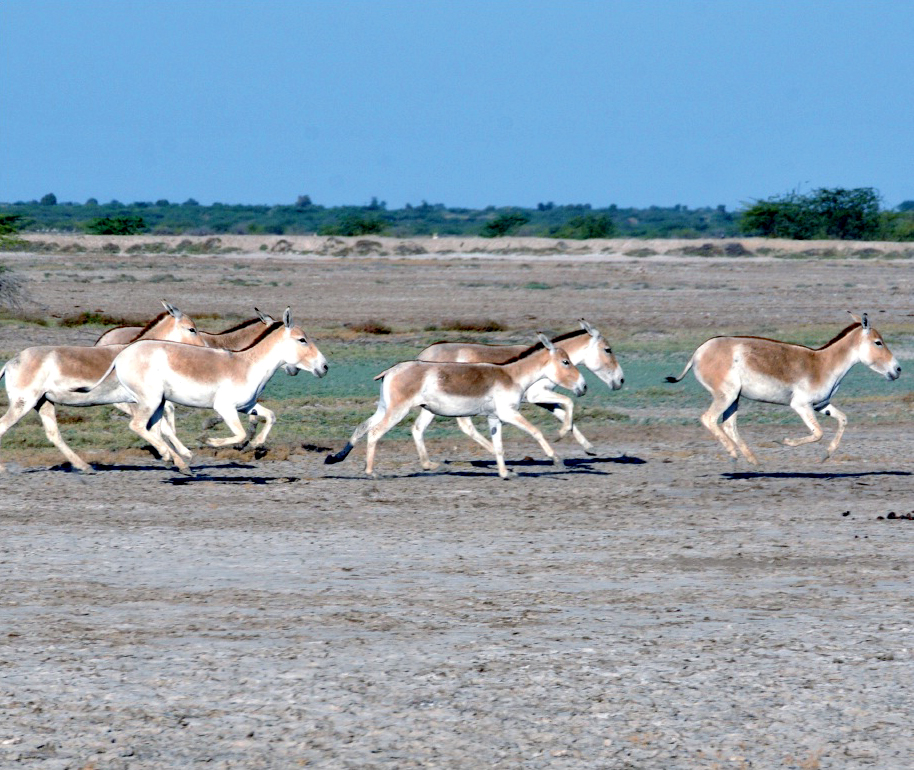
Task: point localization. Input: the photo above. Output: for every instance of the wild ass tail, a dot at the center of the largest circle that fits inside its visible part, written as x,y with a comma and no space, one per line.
684,371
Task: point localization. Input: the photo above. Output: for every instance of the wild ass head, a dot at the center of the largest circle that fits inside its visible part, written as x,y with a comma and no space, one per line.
599,358
297,352
874,352
560,370
172,326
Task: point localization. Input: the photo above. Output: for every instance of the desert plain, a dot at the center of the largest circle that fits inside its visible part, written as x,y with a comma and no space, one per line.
651,606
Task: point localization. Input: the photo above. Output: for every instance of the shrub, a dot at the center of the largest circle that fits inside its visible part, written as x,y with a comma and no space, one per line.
355,224
825,213
503,224
589,226
123,225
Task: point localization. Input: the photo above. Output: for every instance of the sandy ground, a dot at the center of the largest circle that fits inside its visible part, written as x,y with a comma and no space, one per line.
652,607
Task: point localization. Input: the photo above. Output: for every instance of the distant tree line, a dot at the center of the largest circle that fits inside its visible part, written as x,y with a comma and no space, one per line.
825,213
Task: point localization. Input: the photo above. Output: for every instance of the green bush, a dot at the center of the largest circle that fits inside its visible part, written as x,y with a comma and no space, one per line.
503,224
123,225
354,224
825,213
589,226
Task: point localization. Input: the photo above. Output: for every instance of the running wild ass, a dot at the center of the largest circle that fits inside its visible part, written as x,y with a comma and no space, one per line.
783,373
584,347
227,381
236,337
40,377
464,390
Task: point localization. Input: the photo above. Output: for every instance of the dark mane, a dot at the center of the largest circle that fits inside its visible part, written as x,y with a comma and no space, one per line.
269,330
841,335
539,345
569,335
148,326
242,325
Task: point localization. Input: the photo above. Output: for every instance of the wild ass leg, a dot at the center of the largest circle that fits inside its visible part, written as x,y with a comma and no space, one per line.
17,410
466,425
729,427
360,431
833,411
269,419
495,432
719,405
560,405
578,436
258,413
48,416
230,416
144,418
389,419
808,415
166,429
519,421
422,422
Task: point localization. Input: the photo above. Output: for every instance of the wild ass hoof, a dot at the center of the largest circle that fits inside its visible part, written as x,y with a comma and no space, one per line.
430,466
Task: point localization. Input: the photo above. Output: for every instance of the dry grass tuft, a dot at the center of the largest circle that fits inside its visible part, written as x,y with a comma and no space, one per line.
371,327
479,325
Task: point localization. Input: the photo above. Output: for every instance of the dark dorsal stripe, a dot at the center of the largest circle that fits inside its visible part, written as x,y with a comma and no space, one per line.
841,335
539,345
148,326
268,331
238,327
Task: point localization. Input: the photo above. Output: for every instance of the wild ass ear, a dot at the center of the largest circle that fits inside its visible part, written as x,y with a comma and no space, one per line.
287,318
547,343
264,318
865,322
172,309
589,329
855,317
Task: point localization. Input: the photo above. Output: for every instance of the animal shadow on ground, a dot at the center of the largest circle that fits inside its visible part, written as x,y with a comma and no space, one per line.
179,481
570,462
821,475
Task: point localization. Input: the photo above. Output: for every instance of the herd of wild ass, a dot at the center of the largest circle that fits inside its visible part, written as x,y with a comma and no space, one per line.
145,370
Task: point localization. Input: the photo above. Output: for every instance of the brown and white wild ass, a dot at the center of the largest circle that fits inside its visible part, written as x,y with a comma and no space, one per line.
234,338
42,376
464,390
783,373
587,347
227,381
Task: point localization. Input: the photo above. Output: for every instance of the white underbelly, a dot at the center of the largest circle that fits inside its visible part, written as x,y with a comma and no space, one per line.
770,391
457,406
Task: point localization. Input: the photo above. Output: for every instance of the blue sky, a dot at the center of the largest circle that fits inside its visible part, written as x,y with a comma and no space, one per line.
463,103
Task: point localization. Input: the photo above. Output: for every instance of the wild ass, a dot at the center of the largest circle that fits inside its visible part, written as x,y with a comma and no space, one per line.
40,377
231,339
464,390
227,381
234,338
585,346
784,373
